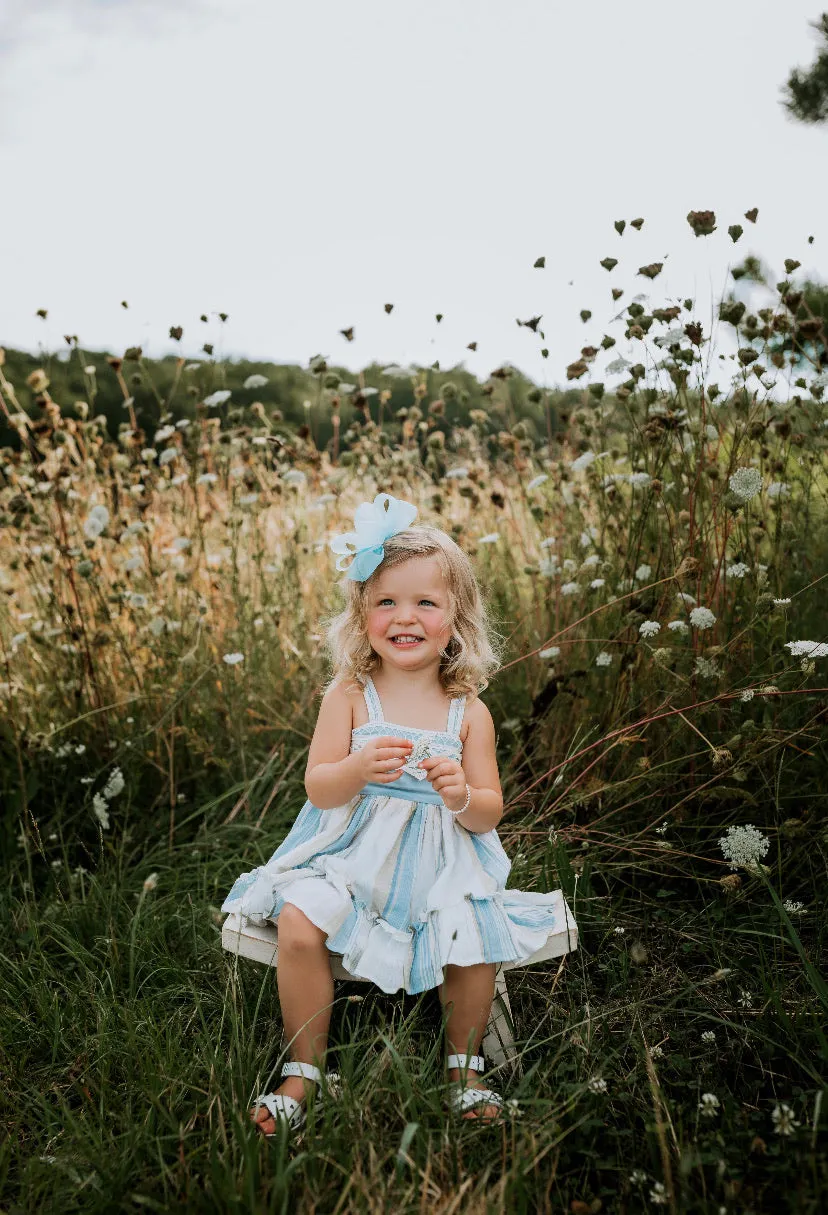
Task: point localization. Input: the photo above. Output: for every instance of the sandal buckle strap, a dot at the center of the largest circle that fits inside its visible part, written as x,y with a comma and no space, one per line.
306,1070
475,1062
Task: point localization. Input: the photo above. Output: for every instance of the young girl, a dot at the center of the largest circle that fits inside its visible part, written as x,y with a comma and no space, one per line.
394,862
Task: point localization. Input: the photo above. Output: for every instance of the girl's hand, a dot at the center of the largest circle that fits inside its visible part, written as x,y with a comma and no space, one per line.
380,761
448,778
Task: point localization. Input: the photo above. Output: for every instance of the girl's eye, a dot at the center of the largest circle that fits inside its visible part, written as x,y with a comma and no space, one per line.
382,601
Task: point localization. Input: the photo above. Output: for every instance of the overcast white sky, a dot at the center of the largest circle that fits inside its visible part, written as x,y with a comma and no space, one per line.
298,165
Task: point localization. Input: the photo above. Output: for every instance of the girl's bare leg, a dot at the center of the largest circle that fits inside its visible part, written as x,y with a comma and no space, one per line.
306,993
467,995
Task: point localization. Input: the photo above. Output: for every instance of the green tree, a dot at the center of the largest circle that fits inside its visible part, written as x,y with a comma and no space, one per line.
806,93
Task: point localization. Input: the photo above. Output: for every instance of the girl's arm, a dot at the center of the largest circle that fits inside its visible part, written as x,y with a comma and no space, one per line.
333,776
485,810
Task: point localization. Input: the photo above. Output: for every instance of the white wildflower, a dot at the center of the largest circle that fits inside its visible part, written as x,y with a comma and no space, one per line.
513,1108
539,480
547,541
745,483
748,694
663,829
551,651
656,1052
745,998
778,489
737,570
208,478
592,559
678,626
570,588
643,572
702,618
167,456
548,566
709,1105
114,785
583,461
96,522
456,473
617,366
603,659
151,882
744,846
596,583
685,597
618,930
784,1122
597,1085
639,478
233,659
219,397
100,808
781,602
705,668
294,476
658,1194
810,649
255,381
708,1036
794,908
163,434
148,454
649,628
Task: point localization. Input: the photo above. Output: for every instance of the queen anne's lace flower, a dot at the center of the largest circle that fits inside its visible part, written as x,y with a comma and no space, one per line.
709,1105
597,1085
808,649
643,572
784,1122
737,570
778,489
702,618
603,659
677,626
649,628
570,588
744,846
745,483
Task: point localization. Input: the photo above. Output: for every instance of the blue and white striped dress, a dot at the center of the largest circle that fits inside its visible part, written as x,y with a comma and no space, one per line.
398,885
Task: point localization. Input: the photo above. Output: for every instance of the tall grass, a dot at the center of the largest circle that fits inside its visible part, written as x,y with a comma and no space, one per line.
159,626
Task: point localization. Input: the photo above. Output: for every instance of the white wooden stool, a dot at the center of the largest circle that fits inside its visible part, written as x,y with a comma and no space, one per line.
259,942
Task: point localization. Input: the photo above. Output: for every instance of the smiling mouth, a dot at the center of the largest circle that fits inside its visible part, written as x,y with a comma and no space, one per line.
406,639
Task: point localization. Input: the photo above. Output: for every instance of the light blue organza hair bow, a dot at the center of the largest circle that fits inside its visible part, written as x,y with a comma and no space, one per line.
375,522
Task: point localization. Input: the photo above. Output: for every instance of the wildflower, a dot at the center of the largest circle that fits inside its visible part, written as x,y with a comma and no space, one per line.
705,668
456,472
678,626
513,1108
737,570
570,588
708,1036
638,1177
219,397
151,882
114,785
685,597
781,602
658,1194
702,618
639,478
548,541
784,1122
167,456
548,566
255,381
489,538
101,813
744,846
208,478
618,930
96,522
233,659
597,1085
592,559
596,582
813,649
603,659
745,483
163,434
539,480
745,998
643,572
663,829
294,476
551,651
583,461
709,1105
778,489
748,694
794,908
148,454
649,628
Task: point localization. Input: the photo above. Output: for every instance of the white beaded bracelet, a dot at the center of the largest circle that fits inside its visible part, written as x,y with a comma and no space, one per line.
465,806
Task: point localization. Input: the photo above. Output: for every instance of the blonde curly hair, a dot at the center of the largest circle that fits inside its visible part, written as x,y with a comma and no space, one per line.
474,650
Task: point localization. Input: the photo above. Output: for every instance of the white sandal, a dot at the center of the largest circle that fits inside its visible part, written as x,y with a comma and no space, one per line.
287,1109
462,1097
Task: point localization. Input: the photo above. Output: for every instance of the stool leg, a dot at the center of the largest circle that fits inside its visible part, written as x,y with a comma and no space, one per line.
498,1043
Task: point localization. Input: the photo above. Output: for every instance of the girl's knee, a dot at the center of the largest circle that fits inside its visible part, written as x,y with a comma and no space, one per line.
296,931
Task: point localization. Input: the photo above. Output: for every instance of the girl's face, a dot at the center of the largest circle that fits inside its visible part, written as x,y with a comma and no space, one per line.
409,601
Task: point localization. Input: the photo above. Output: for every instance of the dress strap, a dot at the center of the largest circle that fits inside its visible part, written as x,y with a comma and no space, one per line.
455,717
372,700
